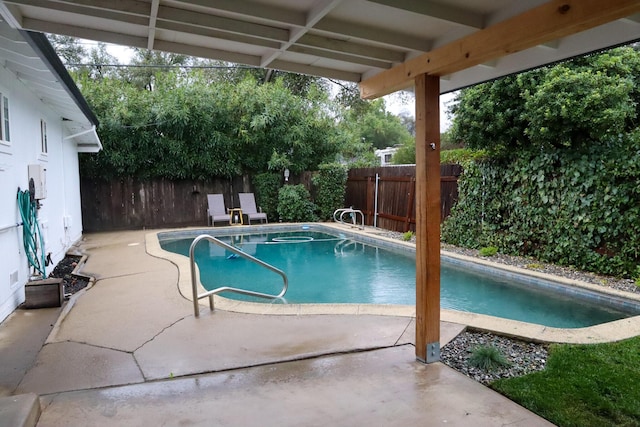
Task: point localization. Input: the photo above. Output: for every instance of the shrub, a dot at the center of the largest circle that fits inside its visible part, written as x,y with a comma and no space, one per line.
330,184
267,185
488,251
407,236
294,204
487,358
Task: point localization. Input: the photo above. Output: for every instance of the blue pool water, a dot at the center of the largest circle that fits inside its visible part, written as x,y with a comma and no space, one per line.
323,268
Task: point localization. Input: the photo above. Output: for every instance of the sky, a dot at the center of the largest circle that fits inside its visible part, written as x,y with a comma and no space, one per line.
396,104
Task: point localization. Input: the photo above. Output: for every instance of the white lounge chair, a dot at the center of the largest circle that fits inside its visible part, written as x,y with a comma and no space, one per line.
248,206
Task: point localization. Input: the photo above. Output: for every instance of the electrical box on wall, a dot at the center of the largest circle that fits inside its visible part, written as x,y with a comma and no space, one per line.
37,173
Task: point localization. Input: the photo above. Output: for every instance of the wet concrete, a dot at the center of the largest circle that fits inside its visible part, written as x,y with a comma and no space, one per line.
381,388
22,335
129,351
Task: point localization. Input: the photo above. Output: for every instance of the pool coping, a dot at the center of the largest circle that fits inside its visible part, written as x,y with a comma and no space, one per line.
605,332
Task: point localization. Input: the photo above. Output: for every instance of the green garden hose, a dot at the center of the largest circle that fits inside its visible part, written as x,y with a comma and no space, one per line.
31,234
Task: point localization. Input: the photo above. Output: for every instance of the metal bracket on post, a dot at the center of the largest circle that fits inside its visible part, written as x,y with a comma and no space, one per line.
433,352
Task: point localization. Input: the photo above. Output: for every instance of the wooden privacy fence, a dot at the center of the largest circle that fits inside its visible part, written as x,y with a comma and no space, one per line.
133,204
123,204
396,194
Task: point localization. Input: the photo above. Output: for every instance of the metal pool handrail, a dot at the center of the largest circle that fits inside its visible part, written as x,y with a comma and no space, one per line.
195,281
353,212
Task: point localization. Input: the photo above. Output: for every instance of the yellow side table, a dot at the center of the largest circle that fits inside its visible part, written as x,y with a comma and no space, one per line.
235,216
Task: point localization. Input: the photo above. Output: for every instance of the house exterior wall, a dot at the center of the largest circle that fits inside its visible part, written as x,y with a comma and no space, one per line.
385,155
62,186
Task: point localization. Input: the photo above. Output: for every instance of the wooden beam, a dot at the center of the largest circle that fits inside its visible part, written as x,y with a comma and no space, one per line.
542,24
427,218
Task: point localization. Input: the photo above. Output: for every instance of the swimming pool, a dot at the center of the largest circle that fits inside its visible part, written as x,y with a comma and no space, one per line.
330,268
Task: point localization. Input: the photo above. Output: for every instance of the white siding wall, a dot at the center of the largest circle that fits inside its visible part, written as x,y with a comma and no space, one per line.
63,188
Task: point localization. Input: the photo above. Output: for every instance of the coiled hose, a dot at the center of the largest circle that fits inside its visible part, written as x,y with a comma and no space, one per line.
31,235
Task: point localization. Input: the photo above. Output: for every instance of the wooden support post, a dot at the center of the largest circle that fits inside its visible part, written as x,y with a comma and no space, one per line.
427,218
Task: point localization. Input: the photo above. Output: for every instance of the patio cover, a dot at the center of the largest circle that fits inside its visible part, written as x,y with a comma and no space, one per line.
435,46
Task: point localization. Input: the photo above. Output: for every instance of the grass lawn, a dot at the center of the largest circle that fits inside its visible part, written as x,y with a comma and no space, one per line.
583,385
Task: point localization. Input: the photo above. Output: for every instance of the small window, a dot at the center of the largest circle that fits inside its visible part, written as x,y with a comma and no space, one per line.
387,158
43,137
5,134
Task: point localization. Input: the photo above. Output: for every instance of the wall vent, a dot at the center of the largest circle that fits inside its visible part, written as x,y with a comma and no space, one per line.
13,278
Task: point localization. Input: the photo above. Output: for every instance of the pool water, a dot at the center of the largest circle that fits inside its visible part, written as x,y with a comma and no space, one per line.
323,268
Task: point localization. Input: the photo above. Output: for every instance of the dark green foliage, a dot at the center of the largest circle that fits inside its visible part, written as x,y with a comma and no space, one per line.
199,130
330,185
561,180
267,185
294,204
583,385
487,358
574,207
461,156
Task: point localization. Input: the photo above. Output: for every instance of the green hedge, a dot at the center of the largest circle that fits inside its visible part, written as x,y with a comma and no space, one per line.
573,206
330,185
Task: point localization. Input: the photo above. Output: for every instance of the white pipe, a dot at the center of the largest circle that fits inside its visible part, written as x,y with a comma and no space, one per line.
375,204
9,227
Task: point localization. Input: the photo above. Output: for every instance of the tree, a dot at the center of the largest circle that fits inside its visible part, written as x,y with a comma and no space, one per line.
560,182
198,130
573,103
68,48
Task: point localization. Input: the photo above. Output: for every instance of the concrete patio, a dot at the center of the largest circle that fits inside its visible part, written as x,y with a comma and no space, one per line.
129,351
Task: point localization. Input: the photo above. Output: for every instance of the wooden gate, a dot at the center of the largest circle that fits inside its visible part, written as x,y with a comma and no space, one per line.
396,194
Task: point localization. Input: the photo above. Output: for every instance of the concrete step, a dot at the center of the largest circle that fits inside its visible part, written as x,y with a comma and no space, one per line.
22,410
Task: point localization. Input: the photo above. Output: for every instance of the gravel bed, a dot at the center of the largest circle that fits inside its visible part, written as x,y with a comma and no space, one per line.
626,285
523,357
71,282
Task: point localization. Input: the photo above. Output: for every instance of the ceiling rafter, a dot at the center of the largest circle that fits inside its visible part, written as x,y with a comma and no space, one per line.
341,57
320,9
207,52
216,34
437,10
112,14
315,71
83,32
135,7
196,19
362,50
373,34
253,10
153,17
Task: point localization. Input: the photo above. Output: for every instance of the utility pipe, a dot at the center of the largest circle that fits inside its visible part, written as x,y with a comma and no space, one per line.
9,227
